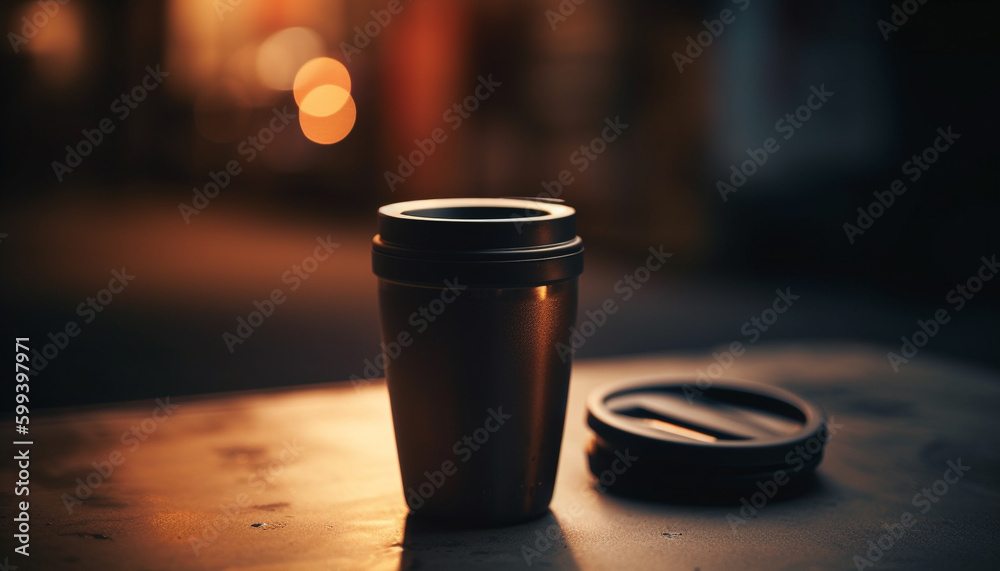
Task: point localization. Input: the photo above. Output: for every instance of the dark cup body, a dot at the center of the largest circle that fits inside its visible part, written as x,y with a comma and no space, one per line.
479,398
477,362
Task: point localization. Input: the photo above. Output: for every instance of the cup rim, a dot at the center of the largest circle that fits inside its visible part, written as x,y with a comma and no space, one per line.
551,211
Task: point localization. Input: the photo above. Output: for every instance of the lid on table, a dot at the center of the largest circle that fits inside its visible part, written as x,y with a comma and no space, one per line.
690,438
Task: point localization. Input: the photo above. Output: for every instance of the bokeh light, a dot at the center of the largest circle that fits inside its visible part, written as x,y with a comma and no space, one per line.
318,72
322,89
281,56
324,101
327,129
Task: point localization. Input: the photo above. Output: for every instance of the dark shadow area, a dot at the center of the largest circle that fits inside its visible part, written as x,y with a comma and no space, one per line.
427,545
760,492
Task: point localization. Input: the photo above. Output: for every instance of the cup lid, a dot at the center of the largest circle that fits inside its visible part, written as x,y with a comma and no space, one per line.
502,242
694,435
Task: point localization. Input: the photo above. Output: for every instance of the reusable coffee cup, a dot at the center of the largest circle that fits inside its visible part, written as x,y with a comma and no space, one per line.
477,297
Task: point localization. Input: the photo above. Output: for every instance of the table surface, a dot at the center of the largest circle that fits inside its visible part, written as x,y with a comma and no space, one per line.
317,465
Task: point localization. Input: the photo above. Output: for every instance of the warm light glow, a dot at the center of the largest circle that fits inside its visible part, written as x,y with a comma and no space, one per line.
322,89
282,54
327,129
241,67
324,101
319,72
193,49
58,45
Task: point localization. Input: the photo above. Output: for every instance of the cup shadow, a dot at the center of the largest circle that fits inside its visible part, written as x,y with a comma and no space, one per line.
430,545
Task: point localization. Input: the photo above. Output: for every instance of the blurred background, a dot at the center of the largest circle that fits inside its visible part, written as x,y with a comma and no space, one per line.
165,138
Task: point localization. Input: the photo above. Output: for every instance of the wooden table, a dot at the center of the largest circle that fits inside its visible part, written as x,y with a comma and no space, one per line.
306,478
